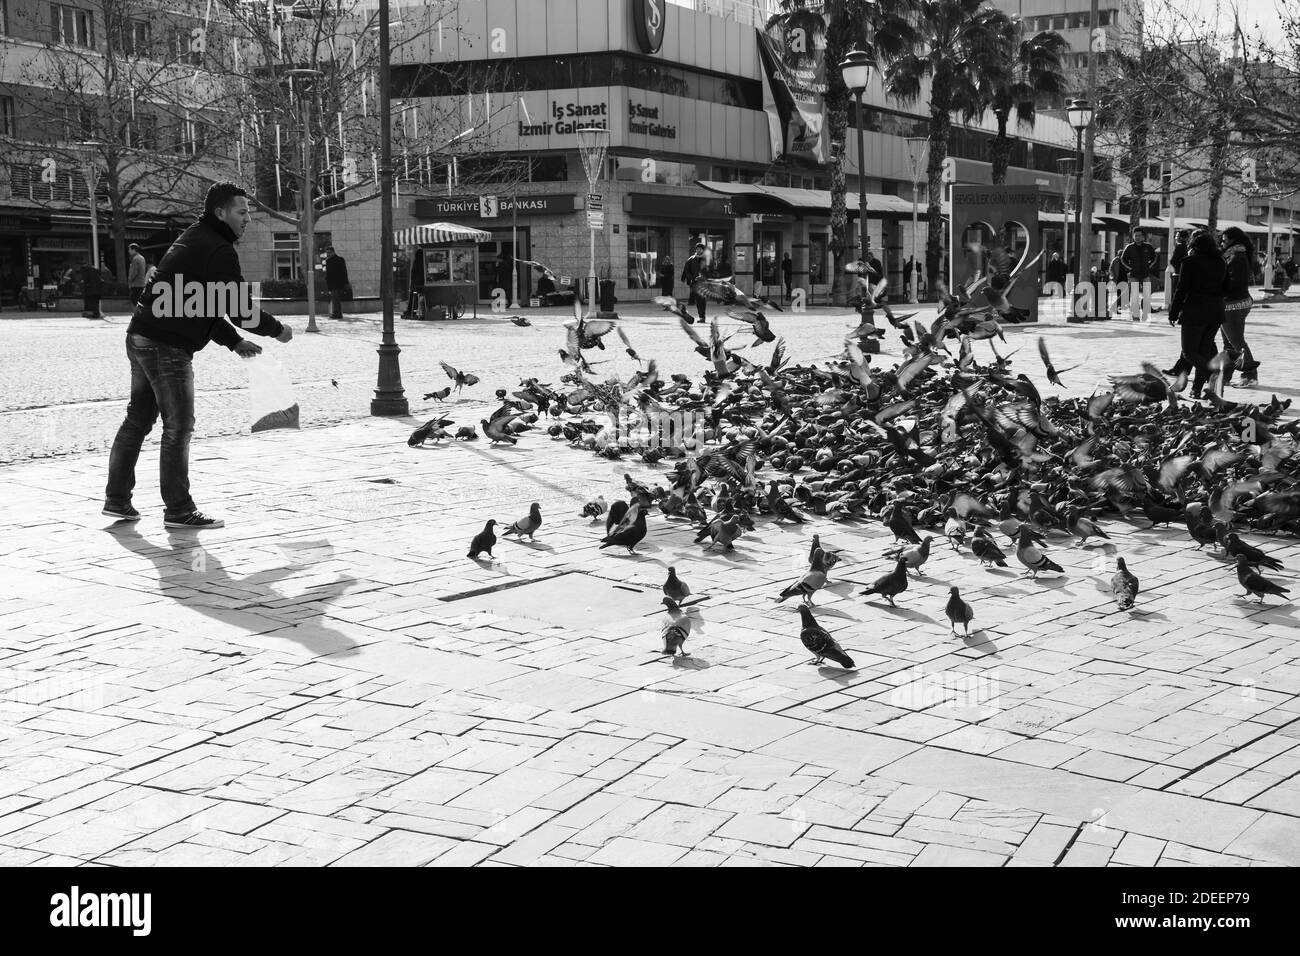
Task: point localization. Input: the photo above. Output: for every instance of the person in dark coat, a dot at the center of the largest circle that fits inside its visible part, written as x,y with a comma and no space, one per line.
1198,305
1239,254
92,285
161,341
1056,270
666,270
1176,259
336,280
695,269
787,275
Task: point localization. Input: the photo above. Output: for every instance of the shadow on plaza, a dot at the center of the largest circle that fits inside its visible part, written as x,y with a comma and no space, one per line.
184,549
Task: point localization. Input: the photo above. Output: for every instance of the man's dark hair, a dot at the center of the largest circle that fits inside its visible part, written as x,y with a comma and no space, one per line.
1139,232
699,247
220,196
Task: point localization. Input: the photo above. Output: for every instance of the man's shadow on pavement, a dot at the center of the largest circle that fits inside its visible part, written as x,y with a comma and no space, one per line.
314,636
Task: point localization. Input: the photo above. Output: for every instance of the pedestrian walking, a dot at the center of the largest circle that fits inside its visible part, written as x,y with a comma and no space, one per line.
336,280
787,275
1239,254
1176,259
92,286
666,270
1198,306
160,347
693,270
1056,270
136,270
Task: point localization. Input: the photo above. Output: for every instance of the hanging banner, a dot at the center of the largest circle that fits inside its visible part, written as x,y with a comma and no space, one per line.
793,48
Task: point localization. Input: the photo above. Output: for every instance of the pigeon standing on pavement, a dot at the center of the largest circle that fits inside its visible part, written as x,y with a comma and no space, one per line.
1027,553
1255,583
594,509
1124,585
813,581
677,627
890,585
959,611
628,537
1234,547
912,558
986,549
617,511
528,524
819,641
485,540
675,587
901,525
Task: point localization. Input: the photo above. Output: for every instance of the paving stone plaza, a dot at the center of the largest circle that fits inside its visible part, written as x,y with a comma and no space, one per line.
329,681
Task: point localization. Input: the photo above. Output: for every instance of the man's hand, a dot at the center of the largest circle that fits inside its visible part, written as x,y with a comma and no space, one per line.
247,349
285,335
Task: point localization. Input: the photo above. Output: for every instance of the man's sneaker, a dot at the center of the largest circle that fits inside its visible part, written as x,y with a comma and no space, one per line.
195,520
1246,383
121,514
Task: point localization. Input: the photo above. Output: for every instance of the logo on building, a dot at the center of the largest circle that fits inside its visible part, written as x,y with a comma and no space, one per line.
650,17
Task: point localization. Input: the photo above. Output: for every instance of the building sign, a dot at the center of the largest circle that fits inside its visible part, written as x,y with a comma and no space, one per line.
650,18
565,119
469,207
676,207
992,224
792,49
644,121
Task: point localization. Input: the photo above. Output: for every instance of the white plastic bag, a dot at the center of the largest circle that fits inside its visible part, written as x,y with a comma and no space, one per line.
274,405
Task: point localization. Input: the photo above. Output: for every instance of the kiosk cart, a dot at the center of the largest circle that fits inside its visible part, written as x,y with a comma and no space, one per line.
444,269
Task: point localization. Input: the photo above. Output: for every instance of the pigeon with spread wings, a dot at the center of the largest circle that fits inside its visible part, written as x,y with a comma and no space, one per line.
460,378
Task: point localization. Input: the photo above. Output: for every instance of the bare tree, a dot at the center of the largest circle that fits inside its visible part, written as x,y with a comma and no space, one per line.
131,107
302,82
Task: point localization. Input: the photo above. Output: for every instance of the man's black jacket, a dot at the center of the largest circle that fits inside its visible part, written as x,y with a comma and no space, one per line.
204,253
336,273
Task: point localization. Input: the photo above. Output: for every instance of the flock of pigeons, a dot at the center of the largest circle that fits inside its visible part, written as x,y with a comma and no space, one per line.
939,442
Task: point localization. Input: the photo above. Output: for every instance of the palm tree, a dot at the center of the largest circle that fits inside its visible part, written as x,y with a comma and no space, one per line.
960,50
1033,70
886,30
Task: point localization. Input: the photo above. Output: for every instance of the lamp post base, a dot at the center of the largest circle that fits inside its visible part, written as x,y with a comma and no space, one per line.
390,397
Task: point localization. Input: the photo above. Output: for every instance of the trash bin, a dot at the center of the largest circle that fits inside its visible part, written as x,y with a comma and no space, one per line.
607,299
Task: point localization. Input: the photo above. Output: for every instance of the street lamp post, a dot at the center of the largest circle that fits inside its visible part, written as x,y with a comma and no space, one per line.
1067,171
309,189
390,398
1079,114
856,69
92,187
916,146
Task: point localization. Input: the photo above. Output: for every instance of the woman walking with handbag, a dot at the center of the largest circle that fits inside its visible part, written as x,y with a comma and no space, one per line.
1239,254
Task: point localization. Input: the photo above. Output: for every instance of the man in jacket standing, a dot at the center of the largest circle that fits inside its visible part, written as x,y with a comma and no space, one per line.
1139,259
135,273
92,284
336,280
693,271
202,270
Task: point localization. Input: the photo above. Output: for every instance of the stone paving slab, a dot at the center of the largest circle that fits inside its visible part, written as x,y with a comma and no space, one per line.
308,686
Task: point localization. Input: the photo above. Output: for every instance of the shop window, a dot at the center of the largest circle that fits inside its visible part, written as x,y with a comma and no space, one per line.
647,247
71,26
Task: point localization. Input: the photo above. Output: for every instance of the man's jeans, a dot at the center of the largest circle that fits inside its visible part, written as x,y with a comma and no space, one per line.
162,381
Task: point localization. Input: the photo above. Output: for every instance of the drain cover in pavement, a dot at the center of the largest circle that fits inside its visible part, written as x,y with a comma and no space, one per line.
569,600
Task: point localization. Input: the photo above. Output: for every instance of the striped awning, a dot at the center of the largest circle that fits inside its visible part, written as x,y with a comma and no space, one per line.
439,232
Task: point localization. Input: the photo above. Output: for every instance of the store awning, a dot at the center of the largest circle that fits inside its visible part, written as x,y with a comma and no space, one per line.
439,232
1247,227
758,198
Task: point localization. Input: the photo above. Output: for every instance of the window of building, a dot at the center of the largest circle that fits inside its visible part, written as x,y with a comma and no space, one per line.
647,247
142,132
817,257
1060,23
286,260
1103,18
7,116
132,38
71,25
550,169
78,123
181,40
4,16
192,136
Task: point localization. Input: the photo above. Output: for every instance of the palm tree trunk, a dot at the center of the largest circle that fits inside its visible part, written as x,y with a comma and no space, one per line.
837,117
1001,152
1218,162
940,109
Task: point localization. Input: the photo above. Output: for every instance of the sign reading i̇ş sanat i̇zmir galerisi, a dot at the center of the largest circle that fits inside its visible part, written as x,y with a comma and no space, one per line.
568,119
